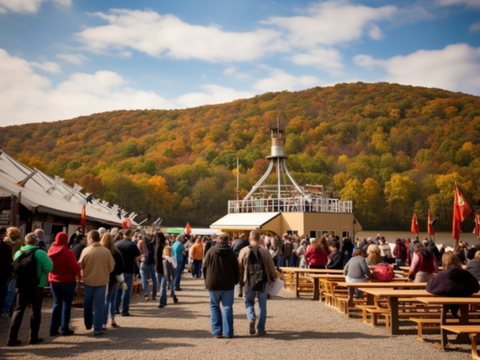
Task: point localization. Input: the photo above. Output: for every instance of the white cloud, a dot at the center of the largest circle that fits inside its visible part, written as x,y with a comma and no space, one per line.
213,94
167,35
475,26
279,80
456,68
76,59
28,6
21,6
47,66
239,75
333,22
322,58
28,97
468,3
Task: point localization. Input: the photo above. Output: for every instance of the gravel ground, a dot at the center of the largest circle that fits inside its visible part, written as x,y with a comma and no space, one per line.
296,328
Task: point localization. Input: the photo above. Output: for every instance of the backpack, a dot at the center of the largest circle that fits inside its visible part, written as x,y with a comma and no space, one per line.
25,270
383,272
256,276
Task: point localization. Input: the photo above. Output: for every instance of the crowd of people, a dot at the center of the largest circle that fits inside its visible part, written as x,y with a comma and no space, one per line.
110,261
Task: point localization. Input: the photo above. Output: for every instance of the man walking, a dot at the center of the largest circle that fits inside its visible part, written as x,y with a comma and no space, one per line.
220,271
30,284
179,252
97,263
131,254
264,263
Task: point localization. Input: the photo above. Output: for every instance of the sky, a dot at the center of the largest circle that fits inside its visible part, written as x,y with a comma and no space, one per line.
60,59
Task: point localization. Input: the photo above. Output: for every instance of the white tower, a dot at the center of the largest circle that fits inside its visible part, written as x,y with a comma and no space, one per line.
277,159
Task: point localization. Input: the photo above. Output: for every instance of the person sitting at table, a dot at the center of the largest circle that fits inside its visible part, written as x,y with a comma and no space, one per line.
424,264
374,255
316,256
356,270
335,259
453,281
473,266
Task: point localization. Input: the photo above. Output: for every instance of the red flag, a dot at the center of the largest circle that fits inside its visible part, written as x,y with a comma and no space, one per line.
430,229
188,229
83,219
461,210
126,223
414,228
476,230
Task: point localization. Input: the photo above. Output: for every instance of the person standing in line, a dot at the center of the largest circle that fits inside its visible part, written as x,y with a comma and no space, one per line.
79,245
78,231
159,245
316,256
169,266
5,269
28,294
13,240
400,252
97,263
130,255
197,256
237,246
221,273
147,266
62,282
287,249
178,251
113,284
250,294
40,234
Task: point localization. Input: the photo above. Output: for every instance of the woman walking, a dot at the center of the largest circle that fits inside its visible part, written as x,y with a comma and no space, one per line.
113,285
62,282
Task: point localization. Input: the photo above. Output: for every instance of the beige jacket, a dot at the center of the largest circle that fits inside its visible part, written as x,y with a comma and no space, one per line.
267,261
97,263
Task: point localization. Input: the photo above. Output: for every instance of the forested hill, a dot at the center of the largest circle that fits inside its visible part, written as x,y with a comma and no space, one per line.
392,149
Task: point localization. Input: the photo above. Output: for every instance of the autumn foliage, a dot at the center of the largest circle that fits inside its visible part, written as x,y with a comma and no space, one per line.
394,150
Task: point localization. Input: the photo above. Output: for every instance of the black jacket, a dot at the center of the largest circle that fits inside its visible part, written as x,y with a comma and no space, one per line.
5,262
336,261
453,282
220,268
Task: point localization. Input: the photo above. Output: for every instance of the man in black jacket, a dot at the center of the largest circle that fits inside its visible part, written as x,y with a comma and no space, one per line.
238,245
220,271
5,268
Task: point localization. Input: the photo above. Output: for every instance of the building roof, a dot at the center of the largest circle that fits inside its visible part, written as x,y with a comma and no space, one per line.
44,194
244,221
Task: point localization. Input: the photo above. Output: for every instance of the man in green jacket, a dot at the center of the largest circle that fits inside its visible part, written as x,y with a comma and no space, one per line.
34,296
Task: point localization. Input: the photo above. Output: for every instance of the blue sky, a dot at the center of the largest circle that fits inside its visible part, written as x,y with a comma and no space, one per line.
64,58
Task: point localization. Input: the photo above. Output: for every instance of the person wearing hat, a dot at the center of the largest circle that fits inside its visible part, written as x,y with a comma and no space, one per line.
5,268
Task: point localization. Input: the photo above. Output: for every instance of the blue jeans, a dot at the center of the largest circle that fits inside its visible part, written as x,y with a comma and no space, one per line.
197,268
63,294
148,271
222,323
94,295
400,262
280,261
178,276
10,296
250,296
162,283
126,294
110,303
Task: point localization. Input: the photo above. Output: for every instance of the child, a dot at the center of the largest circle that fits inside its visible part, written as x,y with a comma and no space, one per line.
169,266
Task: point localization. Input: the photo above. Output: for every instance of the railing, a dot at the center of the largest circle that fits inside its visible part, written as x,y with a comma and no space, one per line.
293,204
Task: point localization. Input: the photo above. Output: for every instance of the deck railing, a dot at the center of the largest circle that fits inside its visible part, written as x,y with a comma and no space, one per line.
293,204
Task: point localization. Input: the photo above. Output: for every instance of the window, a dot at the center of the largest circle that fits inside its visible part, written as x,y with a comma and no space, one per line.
345,233
292,232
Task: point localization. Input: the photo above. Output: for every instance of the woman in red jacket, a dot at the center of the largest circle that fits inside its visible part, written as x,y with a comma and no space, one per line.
62,282
316,255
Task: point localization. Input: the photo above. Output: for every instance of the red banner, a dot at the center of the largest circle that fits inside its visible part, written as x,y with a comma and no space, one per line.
188,229
414,228
476,230
430,229
83,219
461,210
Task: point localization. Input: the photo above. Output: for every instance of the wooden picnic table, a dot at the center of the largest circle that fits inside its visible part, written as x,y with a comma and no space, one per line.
297,271
392,296
463,302
384,285
316,282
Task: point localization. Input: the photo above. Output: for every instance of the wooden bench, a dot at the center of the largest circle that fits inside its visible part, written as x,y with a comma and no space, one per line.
137,287
472,330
